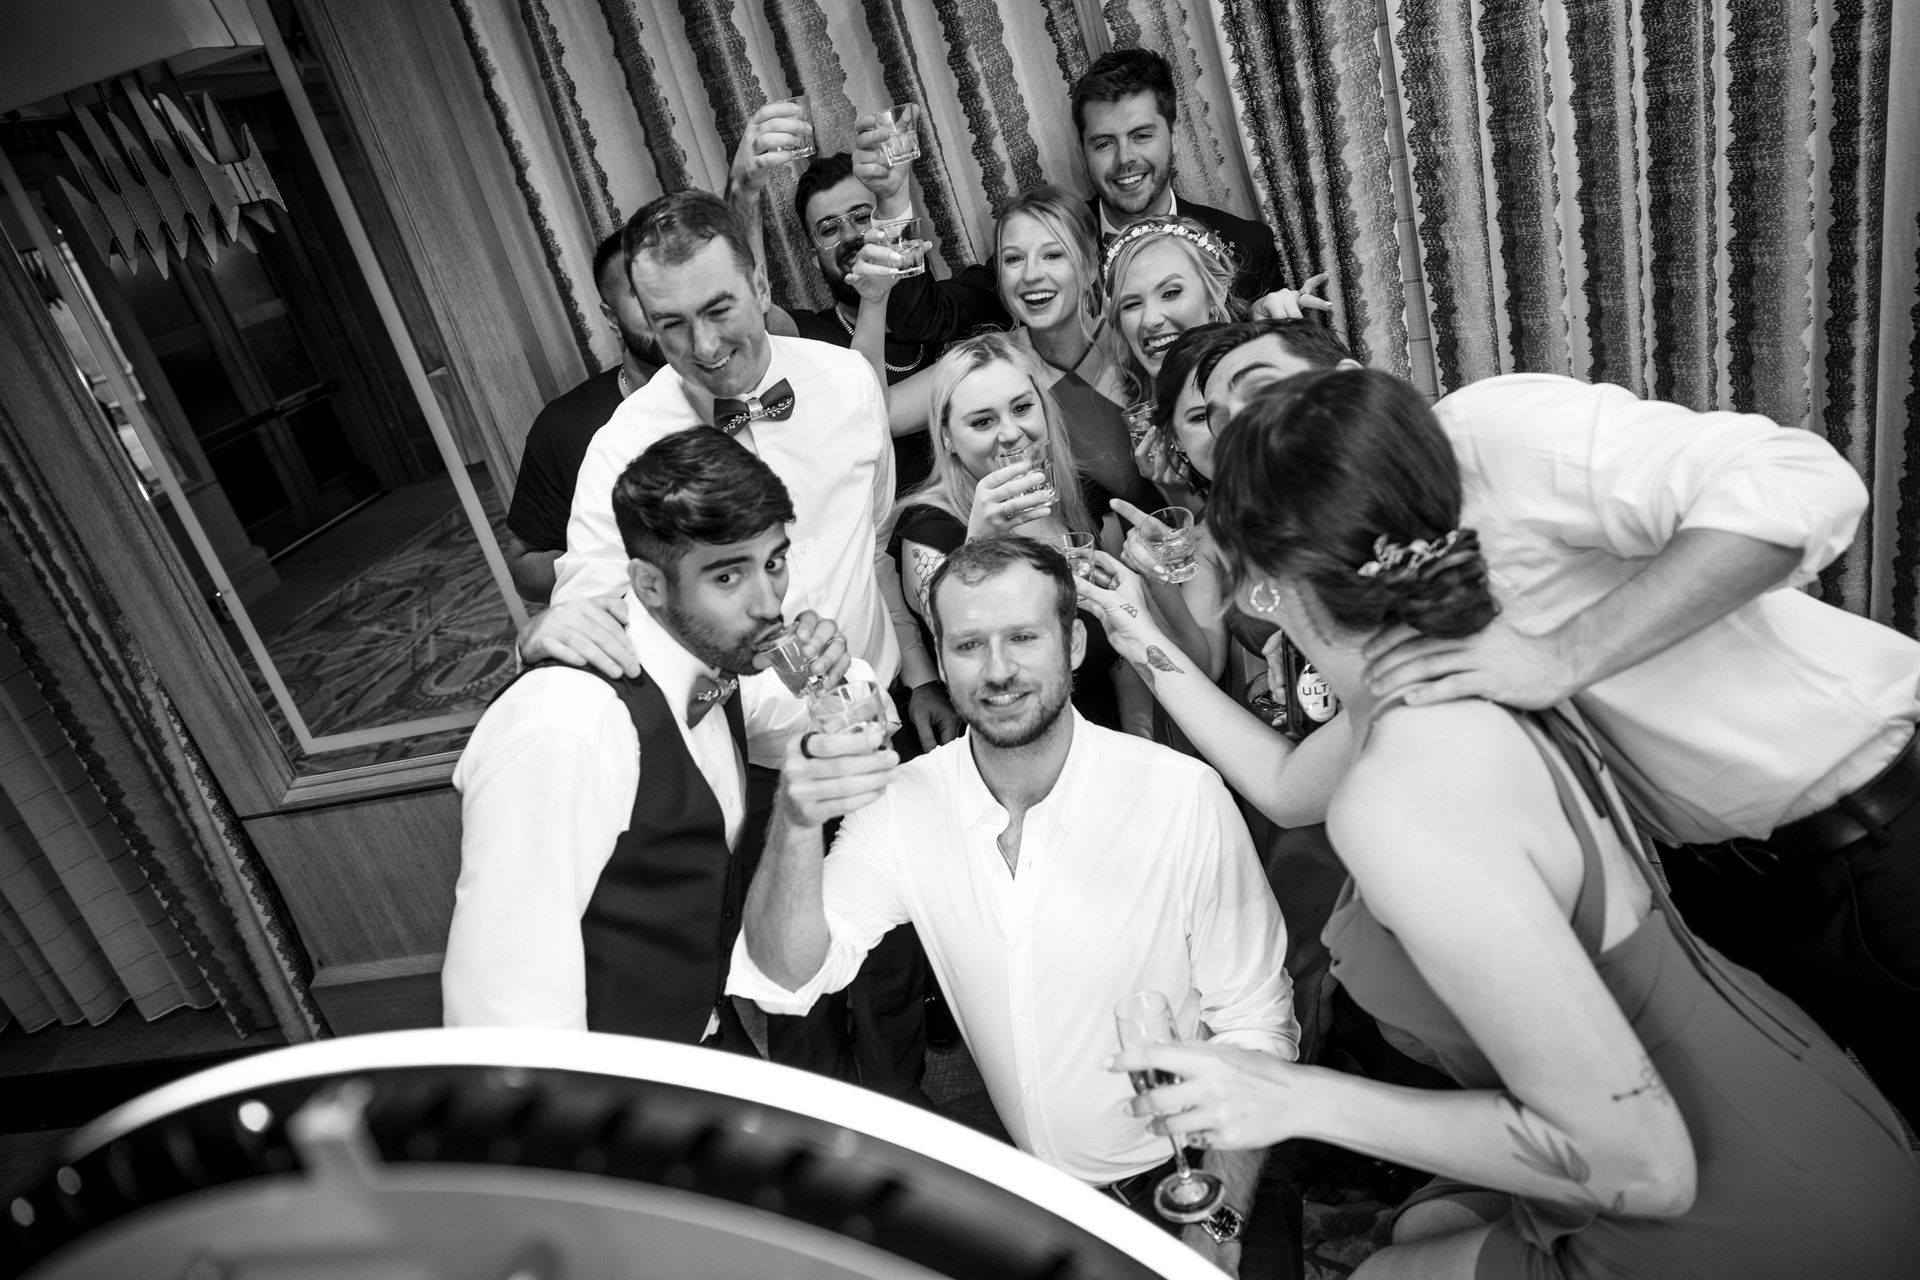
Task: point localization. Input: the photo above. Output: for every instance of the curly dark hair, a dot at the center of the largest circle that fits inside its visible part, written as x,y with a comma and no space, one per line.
698,486
1316,469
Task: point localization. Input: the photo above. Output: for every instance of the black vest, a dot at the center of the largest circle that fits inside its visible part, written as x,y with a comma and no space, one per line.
659,929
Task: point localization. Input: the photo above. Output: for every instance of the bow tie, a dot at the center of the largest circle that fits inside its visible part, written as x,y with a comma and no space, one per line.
731,415
708,693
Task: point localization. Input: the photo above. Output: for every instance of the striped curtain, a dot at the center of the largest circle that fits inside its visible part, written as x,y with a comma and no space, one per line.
1707,201
1710,201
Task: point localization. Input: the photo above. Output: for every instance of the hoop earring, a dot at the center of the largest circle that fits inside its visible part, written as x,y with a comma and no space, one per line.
1267,602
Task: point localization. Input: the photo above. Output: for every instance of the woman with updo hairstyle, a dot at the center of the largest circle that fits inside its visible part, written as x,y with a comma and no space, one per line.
1630,1103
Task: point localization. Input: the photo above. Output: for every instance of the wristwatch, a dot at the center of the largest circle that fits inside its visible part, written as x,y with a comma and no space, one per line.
1225,1224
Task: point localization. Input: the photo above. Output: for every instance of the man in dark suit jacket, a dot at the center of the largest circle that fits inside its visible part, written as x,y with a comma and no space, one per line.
1123,108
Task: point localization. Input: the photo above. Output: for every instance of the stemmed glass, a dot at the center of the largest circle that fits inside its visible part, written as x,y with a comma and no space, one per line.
1185,1195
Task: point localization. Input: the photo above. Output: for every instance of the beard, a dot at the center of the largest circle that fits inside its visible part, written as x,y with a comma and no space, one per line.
1049,702
836,273
642,347
730,653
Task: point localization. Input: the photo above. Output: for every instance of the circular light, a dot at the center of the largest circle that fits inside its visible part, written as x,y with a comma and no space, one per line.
254,1116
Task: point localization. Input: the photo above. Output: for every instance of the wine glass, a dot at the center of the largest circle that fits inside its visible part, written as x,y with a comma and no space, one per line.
1185,1195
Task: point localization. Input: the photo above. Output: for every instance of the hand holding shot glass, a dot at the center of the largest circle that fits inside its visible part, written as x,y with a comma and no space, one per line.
848,708
1079,548
899,234
1173,540
1039,462
902,142
803,126
1139,417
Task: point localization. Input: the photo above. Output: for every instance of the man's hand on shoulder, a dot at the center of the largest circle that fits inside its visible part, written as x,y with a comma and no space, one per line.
582,633
1497,663
933,716
829,775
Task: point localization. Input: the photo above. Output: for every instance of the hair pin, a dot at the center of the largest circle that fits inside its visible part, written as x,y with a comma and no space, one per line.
1403,558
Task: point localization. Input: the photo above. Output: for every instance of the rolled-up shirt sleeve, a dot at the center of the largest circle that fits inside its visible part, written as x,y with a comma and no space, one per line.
1237,939
863,900
1600,467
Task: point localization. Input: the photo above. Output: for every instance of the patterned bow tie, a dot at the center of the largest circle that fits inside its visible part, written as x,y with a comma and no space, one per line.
731,415
708,693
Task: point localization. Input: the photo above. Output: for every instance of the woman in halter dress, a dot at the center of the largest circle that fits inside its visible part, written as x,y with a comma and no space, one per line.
1631,1103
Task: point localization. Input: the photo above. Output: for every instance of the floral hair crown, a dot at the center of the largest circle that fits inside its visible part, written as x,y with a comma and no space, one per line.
1202,238
1400,560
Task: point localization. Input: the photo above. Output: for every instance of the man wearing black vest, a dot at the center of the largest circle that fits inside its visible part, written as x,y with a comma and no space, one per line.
586,900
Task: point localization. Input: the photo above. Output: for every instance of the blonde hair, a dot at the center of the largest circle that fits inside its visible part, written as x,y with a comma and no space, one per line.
1068,220
950,488
1216,278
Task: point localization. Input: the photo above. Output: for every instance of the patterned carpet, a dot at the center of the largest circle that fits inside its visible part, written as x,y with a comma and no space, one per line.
421,633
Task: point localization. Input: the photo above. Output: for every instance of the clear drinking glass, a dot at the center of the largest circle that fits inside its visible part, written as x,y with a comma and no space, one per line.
900,233
902,143
1079,551
1185,1195
786,659
1037,460
1139,420
806,148
1174,543
847,708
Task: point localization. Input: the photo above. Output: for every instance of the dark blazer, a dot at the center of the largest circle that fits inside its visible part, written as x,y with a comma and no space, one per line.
1251,242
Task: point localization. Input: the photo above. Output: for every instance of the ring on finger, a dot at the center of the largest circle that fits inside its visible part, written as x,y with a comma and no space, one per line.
1200,1138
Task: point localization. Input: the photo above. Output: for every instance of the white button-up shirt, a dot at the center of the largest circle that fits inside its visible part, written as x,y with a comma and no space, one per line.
835,456
1770,713
1135,873
546,785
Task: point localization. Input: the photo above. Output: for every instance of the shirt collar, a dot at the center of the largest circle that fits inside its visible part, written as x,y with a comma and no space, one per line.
1106,224
667,662
977,803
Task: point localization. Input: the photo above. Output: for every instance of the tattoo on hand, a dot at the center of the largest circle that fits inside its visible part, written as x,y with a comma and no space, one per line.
1130,610
1554,1155
1650,1083
1161,662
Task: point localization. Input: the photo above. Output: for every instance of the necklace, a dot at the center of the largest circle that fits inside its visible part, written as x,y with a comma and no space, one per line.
908,367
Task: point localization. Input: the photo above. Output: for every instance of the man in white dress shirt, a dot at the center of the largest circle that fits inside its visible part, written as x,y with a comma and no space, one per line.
585,901
812,411
1051,867
1645,556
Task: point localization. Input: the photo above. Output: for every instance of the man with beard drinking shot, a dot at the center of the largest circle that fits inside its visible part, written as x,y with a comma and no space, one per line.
1051,867
586,900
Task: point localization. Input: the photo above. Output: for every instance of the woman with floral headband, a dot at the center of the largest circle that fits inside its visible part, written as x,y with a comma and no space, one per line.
1162,277
1630,1103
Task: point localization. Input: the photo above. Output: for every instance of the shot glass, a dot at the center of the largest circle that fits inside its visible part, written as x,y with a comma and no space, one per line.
902,143
1174,543
788,660
1037,460
1079,551
1139,420
847,708
900,234
807,148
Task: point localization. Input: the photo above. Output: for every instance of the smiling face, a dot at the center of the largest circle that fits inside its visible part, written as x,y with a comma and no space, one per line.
1007,660
1160,297
721,601
1038,280
992,410
1128,147
837,221
1243,371
708,316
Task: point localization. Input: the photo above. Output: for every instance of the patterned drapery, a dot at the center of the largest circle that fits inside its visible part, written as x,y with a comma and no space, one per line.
1711,201
124,875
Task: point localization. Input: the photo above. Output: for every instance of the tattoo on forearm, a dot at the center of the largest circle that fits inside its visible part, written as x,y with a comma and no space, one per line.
1650,1083
1161,662
1545,1152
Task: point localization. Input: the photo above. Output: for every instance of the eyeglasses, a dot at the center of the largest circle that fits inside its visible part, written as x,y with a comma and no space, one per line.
856,220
